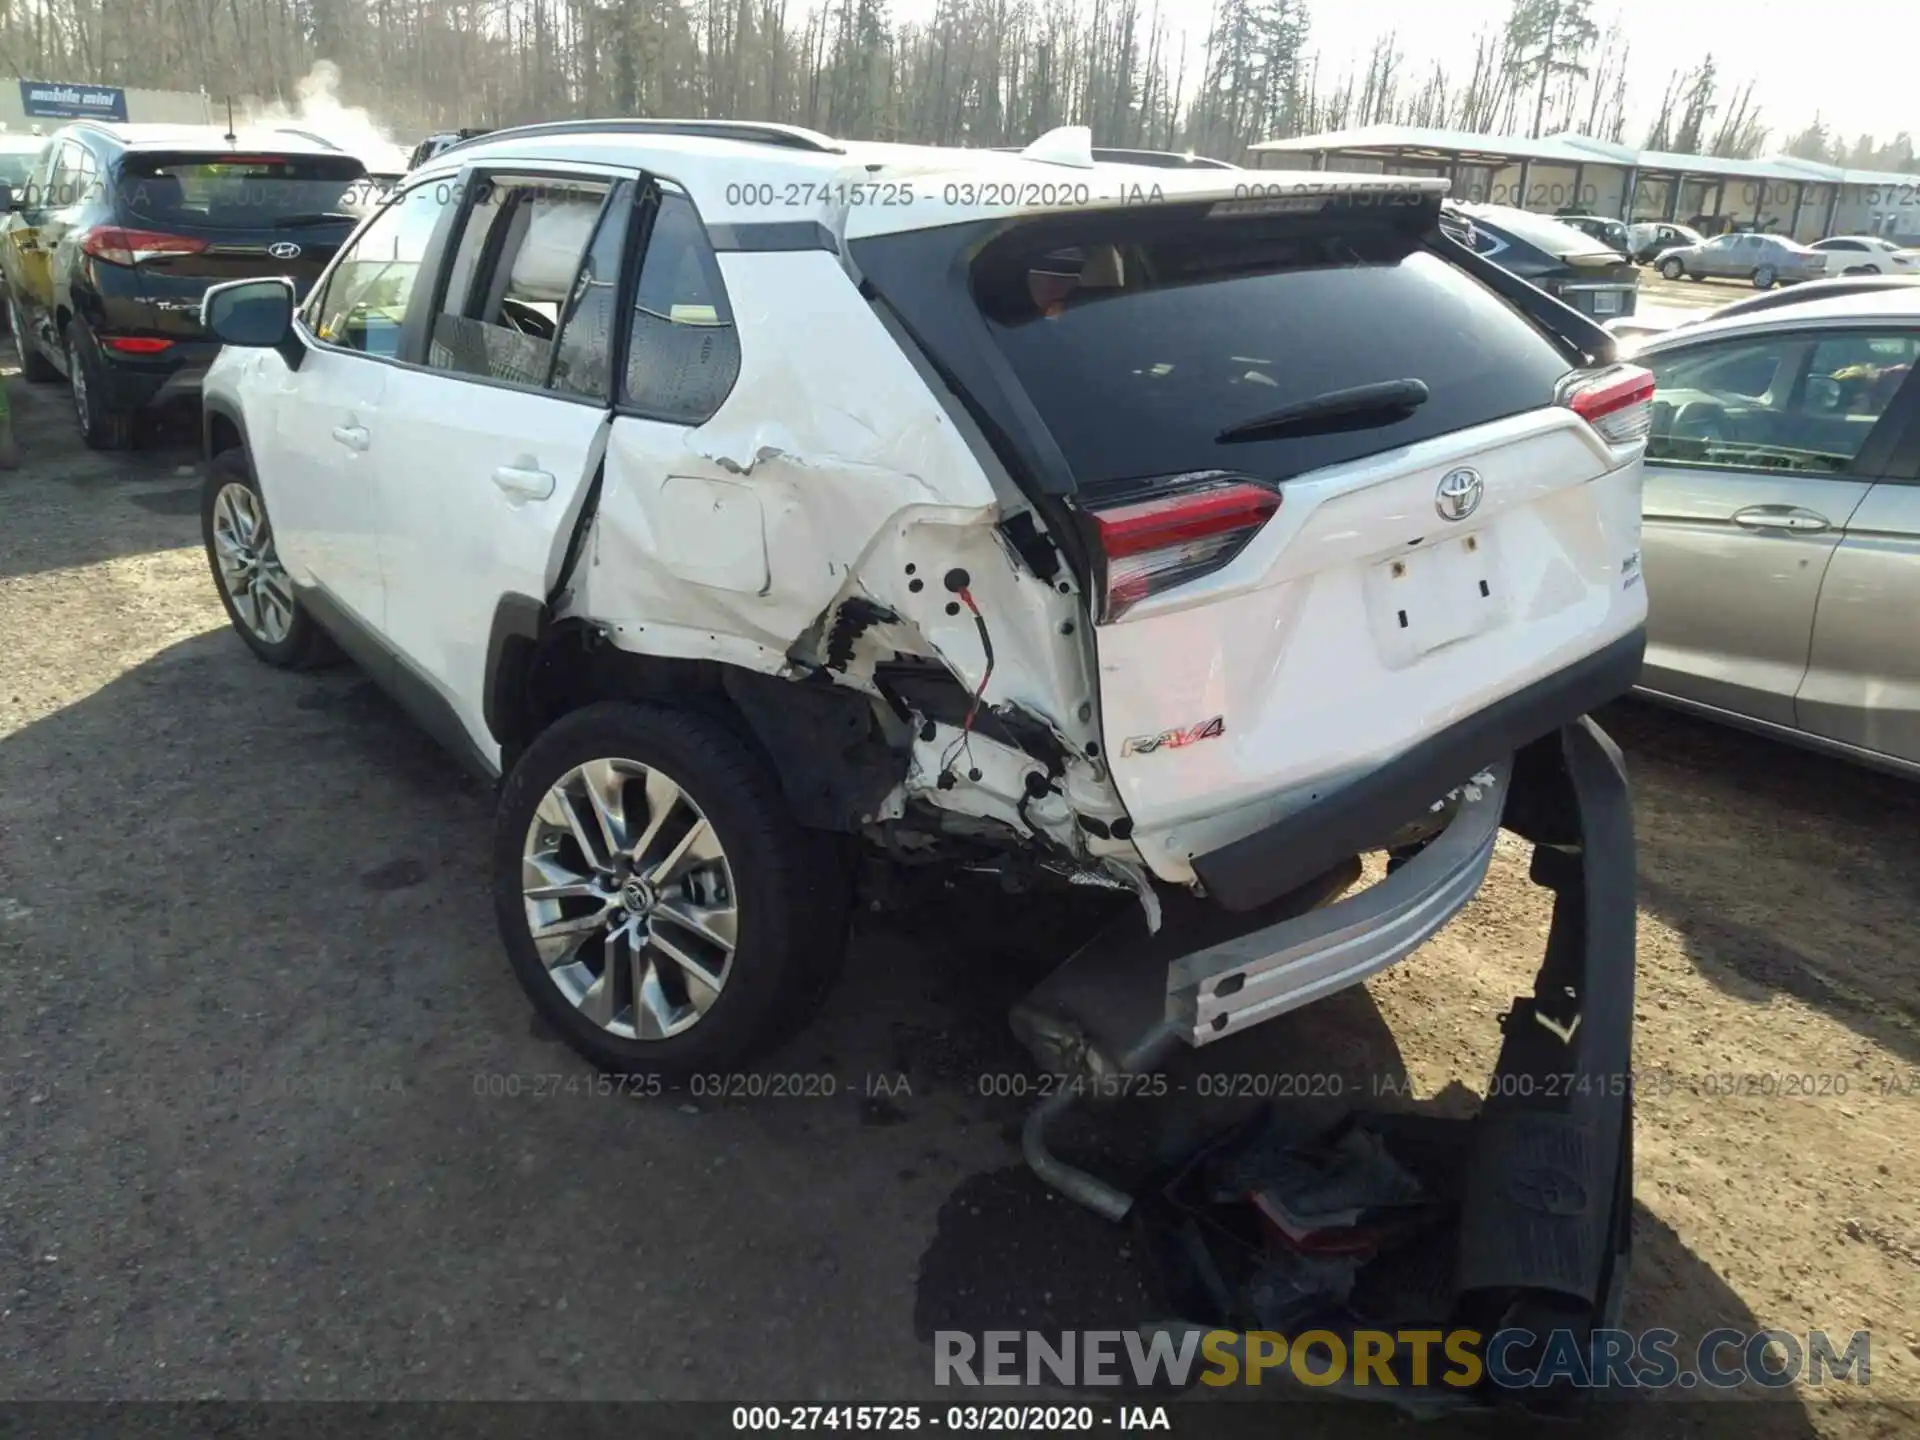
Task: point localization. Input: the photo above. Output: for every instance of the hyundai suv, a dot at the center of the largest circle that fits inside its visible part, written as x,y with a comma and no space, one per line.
117,233
744,501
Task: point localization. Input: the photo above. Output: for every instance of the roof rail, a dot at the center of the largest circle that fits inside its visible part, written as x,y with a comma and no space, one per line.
791,137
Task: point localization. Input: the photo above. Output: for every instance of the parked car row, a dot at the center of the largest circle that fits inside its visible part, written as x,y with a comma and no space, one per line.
1764,259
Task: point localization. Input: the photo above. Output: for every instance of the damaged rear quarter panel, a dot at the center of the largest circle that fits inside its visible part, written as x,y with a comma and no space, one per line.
729,539
829,473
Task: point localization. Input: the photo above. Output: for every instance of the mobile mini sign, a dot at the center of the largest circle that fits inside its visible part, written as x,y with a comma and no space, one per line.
50,100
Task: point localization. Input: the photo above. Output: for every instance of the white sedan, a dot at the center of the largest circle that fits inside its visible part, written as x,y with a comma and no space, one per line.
1868,254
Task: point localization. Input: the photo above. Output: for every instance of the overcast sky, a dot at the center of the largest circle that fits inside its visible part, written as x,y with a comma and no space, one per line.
1857,64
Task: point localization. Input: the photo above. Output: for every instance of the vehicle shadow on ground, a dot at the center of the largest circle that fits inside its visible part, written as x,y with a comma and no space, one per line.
1744,841
149,496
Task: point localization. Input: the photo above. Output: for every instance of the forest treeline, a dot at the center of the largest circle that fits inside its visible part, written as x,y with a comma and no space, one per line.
976,72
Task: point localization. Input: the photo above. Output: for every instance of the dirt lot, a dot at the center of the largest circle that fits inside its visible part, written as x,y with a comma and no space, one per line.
273,1121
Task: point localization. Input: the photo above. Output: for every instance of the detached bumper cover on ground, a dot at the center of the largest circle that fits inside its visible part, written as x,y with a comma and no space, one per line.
1546,1200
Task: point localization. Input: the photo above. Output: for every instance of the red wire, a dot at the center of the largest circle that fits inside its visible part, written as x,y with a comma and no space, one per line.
966,598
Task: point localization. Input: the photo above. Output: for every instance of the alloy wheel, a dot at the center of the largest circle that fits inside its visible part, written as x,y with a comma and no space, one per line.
250,568
629,899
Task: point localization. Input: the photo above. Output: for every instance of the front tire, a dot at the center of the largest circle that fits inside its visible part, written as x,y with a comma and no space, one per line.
101,426
253,585
659,906
1671,269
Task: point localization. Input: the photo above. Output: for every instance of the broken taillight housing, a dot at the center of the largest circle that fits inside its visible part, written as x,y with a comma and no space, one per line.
1617,402
1186,527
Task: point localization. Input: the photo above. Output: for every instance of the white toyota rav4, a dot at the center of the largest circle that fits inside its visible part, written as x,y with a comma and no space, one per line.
741,496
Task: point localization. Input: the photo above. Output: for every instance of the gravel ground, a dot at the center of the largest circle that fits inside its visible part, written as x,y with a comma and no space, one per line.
275,1121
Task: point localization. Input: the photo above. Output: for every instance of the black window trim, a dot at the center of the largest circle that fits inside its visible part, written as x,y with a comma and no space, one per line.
625,196
1893,444
415,329
655,189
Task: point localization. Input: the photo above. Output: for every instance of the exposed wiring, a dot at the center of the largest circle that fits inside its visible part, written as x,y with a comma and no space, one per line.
965,740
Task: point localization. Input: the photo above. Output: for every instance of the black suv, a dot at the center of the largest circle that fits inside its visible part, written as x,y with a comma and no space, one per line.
117,233
1546,252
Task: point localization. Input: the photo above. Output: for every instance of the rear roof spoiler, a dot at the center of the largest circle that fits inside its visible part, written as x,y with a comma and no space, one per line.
1555,316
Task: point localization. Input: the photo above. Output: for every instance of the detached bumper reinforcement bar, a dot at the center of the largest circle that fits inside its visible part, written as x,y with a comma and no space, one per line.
1548,1198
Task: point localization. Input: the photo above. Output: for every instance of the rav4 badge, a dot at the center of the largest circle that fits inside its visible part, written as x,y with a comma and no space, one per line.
1174,739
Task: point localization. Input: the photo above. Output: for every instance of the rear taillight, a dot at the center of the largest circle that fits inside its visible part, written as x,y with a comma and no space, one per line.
1193,526
1617,402
135,344
119,246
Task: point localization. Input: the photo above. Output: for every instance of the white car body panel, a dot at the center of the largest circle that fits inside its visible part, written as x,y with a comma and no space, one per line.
1296,644
463,522
858,489
326,519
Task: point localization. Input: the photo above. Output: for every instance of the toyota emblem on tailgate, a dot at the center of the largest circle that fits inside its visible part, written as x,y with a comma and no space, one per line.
1459,494
284,250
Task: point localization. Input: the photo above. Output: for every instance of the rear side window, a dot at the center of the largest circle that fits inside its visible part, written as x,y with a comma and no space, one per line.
683,353
243,192
75,178
1139,349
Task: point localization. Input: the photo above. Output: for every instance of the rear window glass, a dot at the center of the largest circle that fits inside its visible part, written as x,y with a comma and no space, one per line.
1553,236
1138,350
262,192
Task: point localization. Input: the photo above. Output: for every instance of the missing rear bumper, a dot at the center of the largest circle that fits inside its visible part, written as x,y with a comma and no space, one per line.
1548,1193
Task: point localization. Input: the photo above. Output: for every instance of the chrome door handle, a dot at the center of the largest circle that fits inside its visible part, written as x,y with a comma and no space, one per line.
1782,517
528,484
354,437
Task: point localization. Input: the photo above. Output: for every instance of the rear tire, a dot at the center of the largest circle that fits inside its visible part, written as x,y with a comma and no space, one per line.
101,427
771,898
258,596
1763,278
34,366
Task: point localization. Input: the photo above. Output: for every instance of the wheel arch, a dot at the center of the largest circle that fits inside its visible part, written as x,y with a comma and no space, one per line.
822,741
222,427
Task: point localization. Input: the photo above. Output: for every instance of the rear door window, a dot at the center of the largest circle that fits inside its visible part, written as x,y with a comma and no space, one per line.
1139,345
242,192
513,270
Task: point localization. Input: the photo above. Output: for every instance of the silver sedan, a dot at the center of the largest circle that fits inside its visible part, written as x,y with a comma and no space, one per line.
1781,546
1765,260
